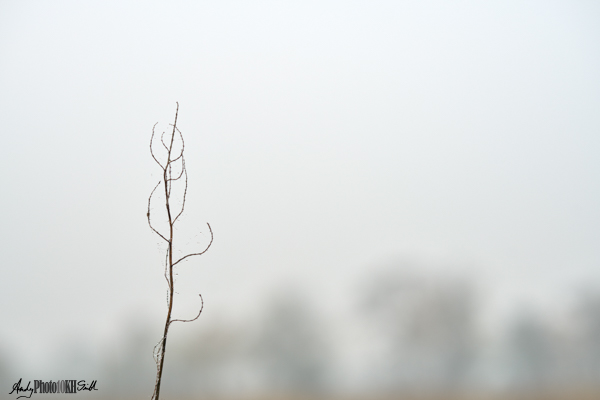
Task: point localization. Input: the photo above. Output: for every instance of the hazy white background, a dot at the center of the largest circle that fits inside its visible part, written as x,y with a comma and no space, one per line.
323,138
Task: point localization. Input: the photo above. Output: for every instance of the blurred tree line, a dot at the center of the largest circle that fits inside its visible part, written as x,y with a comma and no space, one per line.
407,333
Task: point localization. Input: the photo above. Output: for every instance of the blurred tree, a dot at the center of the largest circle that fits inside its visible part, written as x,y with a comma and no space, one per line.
429,328
5,377
589,343
128,366
291,347
209,359
532,361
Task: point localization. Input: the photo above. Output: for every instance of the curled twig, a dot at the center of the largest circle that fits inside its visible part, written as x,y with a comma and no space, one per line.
193,319
202,252
148,213
151,150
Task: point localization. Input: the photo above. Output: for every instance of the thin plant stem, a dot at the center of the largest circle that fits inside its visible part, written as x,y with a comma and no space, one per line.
173,161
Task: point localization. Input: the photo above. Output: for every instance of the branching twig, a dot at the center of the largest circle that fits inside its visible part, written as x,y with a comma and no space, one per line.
197,316
168,179
202,252
184,191
152,152
148,214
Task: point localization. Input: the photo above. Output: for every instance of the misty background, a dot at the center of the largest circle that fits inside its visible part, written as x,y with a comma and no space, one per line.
403,194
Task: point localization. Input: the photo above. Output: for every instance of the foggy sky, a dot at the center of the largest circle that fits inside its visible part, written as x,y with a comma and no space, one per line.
323,138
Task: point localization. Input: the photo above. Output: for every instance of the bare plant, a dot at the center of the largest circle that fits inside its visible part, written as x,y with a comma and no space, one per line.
173,172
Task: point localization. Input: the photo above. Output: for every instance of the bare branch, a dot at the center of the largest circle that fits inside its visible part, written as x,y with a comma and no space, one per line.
174,126
148,213
167,181
184,169
197,316
151,150
198,254
167,272
182,144
181,173
162,136
157,354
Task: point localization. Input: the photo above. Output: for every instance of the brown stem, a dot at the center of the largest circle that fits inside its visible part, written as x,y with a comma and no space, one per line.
167,169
